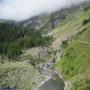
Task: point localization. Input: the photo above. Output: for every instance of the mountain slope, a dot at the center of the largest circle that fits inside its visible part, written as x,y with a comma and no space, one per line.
70,24
75,61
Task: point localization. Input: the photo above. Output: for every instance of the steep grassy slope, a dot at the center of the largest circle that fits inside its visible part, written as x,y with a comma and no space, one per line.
19,74
72,23
75,61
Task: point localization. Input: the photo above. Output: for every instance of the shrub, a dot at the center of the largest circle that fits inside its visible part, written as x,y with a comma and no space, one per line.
85,21
86,8
13,51
1,48
64,43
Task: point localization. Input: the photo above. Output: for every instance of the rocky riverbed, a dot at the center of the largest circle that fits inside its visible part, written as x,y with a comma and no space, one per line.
52,79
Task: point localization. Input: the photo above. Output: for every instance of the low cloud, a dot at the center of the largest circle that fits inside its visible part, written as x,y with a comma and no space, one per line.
24,9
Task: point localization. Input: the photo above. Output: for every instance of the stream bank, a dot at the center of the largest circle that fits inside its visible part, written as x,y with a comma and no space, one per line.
52,79
47,70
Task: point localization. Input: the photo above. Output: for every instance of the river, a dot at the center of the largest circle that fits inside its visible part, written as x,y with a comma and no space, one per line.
54,82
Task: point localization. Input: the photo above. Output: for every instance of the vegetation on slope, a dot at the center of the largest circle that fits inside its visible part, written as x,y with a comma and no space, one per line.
15,70
73,21
20,75
74,63
14,38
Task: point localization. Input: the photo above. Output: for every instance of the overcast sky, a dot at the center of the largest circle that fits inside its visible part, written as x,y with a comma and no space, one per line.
24,9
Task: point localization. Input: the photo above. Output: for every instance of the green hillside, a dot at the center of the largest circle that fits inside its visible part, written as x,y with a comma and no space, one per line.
75,61
72,23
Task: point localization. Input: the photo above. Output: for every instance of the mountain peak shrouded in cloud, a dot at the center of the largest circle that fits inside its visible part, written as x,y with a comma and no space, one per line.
24,9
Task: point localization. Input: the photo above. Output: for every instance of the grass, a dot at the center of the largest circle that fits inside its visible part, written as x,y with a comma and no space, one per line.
19,74
75,61
10,67
72,23
85,37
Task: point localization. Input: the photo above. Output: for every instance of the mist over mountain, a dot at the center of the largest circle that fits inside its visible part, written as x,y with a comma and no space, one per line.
24,9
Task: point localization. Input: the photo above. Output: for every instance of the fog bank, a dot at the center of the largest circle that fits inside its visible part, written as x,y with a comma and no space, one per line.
24,9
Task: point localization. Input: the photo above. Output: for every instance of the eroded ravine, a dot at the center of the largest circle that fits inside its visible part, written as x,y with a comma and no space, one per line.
53,80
